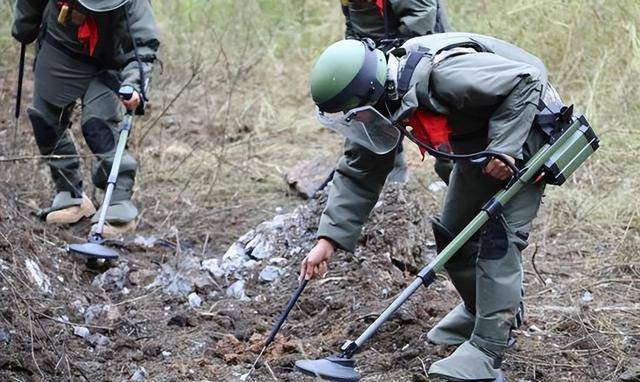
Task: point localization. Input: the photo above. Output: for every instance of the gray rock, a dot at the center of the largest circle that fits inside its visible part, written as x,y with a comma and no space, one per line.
112,280
98,340
182,276
38,277
146,242
194,300
142,276
260,248
237,291
213,267
310,176
101,315
139,375
81,331
270,273
4,335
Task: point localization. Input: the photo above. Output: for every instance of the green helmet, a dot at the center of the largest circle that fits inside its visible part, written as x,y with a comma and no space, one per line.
102,5
348,74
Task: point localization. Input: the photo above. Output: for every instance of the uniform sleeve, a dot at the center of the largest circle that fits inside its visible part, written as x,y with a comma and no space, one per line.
354,191
415,17
348,30
145,32
27,20
511,89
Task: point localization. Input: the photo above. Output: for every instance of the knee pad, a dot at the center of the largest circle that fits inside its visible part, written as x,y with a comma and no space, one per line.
494,242
98,135
44,133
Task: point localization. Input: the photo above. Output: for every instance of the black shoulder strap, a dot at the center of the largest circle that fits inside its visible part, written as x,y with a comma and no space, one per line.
409,67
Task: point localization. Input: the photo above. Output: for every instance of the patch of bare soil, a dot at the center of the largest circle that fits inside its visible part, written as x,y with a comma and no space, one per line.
164,312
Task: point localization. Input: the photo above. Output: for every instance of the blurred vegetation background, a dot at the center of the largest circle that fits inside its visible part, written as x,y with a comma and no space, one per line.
231,107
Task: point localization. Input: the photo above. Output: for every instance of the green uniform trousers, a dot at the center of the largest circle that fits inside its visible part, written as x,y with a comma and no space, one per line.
102,111
489,279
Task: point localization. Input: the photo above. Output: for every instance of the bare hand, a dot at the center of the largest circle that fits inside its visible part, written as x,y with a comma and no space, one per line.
498,169
316,263
133,102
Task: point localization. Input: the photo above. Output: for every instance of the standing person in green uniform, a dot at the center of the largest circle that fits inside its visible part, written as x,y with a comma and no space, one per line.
87,49
488,92
389,23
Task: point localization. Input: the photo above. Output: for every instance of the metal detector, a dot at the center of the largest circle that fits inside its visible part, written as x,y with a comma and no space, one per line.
566,150
95,247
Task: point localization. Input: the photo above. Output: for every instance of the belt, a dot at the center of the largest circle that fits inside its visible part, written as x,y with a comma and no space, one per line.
49,39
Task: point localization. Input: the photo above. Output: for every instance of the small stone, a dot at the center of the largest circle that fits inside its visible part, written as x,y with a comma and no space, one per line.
587,296
101,315
81,331
166,354
139,375
146,242
270,273
236,290
38,277
98,340
137,355
310,176
142,277
4,336
112,280
195,301
212,266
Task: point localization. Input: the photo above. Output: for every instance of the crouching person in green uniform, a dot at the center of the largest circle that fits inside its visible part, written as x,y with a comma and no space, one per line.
486,91
86,50
390,23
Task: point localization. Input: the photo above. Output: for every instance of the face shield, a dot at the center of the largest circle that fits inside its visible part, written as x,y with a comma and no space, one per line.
364,126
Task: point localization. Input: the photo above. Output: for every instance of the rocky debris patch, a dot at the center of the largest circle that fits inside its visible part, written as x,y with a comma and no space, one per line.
182,275
308,177
113,280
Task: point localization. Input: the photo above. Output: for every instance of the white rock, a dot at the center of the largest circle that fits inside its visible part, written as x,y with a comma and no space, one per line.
271,273
195,301
38,277
587,296
236,290
81,331
212,266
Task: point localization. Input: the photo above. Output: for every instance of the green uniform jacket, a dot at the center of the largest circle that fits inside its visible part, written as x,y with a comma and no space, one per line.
407,19
485,109
114,50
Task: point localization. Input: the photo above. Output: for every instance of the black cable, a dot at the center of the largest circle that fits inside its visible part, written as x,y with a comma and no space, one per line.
484,155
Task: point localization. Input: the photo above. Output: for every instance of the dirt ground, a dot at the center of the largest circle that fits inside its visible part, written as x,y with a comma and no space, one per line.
132,320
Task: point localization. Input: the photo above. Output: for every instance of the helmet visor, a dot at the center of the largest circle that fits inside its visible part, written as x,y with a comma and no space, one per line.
364,126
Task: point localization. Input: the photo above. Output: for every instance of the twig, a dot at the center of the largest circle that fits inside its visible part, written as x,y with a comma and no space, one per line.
271,371
33,354
533,264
